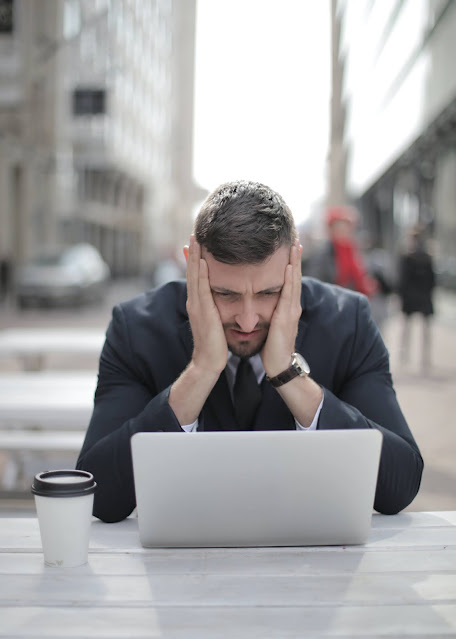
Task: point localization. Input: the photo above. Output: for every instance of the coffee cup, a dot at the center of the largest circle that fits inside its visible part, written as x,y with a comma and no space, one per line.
64,503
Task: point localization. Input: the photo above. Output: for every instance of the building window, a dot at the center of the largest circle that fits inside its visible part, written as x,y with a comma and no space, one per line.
89,102
6,16
72,19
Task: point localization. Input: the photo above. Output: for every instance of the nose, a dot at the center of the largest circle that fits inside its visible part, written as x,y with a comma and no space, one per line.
247,318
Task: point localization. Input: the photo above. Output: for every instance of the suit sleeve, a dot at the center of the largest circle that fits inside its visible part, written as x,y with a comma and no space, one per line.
366,399
124,404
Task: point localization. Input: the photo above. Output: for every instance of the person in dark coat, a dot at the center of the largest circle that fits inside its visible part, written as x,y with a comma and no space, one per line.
416,286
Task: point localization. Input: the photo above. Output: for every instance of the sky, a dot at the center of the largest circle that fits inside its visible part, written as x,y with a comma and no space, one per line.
262,90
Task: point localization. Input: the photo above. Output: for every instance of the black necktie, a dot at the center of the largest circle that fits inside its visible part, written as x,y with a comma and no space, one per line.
246,395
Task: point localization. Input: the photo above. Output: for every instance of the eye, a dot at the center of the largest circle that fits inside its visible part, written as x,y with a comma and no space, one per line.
225,295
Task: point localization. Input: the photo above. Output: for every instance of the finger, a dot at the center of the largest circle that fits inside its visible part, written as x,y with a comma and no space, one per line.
204,290
286,292
290,297
295,254
297,272
193,269
294,268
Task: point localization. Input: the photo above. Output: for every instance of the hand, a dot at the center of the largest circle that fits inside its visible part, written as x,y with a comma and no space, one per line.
280,343
210,349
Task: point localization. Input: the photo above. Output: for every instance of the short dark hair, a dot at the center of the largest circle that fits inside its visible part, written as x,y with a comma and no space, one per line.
244,222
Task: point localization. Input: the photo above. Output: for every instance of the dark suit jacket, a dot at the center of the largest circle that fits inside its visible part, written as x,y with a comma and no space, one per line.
149,343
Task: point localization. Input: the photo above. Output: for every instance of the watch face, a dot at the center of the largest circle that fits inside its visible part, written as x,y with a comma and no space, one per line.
301,364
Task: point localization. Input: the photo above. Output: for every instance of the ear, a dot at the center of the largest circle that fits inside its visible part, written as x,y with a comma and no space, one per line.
185,250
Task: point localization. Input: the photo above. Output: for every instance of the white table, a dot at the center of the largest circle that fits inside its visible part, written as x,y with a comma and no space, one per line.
32,345
401,583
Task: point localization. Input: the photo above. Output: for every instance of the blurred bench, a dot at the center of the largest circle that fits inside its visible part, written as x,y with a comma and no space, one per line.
36,440
43,419
31,346
27,452
61,400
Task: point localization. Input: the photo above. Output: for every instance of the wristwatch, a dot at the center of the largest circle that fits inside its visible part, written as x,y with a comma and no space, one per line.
299,368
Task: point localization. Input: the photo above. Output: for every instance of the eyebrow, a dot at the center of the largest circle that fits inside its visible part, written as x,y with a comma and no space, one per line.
271,289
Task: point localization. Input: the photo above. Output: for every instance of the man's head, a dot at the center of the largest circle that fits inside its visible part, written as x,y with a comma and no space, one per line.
245,231
244,223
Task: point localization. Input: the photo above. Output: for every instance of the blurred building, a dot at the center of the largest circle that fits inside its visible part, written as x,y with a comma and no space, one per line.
96,127
336,191
398,103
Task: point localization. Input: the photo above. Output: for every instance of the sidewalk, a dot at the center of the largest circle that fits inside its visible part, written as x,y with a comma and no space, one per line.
427,400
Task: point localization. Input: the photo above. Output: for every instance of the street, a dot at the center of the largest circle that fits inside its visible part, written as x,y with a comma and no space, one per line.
426,397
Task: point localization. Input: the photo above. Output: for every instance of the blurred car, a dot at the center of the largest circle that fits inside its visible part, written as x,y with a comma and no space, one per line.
74,274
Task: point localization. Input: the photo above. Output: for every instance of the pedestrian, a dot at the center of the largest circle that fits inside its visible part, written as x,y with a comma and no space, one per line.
415,289
379,265
300,354
339,260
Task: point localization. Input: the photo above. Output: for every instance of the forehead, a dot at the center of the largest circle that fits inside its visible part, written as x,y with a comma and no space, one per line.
243,277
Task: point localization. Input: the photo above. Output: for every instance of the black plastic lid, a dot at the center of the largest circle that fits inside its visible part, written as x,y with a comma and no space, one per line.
63,483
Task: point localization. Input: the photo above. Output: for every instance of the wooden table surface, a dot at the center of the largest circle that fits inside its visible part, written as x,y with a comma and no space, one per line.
402,583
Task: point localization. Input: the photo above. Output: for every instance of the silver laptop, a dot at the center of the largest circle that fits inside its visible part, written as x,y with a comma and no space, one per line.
261,488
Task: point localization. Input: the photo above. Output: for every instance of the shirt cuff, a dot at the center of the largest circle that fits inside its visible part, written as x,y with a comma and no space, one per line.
190,428
314,423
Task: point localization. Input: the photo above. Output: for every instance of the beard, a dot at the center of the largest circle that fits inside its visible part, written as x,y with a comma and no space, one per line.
246,348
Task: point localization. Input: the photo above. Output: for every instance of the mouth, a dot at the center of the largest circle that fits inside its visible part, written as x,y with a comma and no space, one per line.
242,336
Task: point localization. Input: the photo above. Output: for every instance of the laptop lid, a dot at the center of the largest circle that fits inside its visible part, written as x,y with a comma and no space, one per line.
260,488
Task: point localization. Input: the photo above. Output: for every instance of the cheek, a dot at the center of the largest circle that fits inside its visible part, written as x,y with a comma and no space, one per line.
268,307
265,308
225,310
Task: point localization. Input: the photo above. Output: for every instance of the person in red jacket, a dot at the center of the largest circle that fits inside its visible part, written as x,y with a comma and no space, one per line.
340,261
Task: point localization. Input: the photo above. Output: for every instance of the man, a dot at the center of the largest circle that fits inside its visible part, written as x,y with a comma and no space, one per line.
171,355
416,287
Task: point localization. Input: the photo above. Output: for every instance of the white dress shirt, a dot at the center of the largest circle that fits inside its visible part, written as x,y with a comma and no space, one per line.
258,369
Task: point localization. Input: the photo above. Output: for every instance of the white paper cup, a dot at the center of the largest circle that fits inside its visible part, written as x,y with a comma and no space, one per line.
64,503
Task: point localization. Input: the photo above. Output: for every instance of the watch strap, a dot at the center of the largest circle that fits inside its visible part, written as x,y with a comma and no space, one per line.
283,377
299,367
